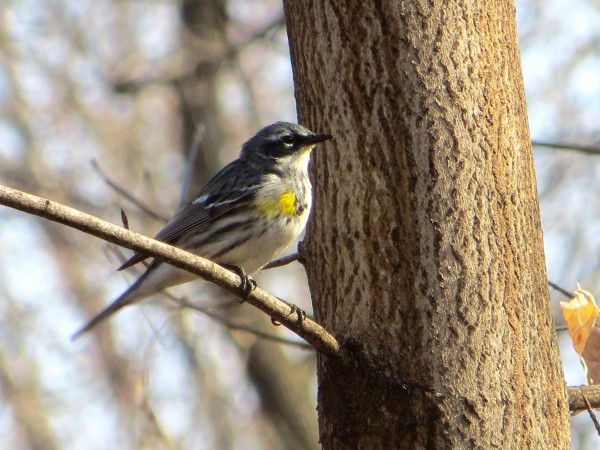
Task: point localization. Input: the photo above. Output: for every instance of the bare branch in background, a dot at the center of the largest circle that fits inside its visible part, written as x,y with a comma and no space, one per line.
560,289
590,411
587,149
190,163
126,194
185,303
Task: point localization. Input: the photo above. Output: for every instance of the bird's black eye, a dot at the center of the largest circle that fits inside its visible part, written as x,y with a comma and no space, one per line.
288,140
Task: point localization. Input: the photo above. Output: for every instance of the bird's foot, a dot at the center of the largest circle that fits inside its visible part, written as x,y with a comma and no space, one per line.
247,283
300,313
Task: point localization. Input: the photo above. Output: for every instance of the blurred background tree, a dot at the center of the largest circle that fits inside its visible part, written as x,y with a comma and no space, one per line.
156,96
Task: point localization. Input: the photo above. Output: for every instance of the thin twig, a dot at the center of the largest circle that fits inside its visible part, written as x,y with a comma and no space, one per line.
588,149
185,303
189,164
124,219
567,294
215,61
562,290
282,261
279,311
126,194
591,413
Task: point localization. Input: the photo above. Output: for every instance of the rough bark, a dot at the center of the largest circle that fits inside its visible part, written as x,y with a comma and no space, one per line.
424,253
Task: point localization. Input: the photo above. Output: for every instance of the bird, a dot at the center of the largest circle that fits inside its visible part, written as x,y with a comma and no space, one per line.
246,215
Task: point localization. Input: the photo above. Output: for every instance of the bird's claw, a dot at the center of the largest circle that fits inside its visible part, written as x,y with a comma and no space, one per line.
247,283
293,309
299,312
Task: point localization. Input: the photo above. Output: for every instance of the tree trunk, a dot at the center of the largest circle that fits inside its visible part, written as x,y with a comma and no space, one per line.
424,253
203,39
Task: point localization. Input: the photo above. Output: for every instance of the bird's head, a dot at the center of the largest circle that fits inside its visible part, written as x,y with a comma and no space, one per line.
282,142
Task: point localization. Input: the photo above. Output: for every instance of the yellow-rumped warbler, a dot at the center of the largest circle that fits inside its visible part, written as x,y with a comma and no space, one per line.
253,209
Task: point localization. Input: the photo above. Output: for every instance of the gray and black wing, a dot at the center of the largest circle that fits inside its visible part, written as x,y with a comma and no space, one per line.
231,189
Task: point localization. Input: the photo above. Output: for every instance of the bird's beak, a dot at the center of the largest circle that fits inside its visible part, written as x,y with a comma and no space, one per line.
316,138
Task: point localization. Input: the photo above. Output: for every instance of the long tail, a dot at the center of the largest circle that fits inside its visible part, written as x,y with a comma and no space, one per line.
158,276
130,296
124,300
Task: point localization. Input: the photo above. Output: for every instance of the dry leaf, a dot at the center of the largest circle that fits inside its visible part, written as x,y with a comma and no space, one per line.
581,315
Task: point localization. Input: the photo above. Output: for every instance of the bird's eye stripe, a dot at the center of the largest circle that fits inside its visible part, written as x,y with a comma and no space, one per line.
287,140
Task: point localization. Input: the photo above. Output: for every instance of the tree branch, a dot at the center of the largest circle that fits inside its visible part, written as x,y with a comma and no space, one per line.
284,260
576,394
278,310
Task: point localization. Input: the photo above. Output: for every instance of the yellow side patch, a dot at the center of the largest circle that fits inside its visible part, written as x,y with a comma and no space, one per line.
285,205
287,201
